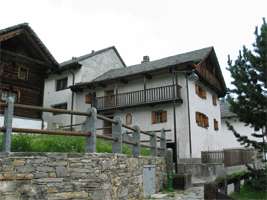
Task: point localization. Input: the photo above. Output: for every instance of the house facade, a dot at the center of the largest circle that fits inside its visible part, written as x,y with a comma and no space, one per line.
77,70
24,65
230,141
179,93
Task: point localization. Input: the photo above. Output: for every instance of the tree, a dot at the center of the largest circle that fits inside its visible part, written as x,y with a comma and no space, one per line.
248,98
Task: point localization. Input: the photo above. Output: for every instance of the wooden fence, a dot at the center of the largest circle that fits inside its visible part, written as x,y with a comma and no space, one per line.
230,157
118,136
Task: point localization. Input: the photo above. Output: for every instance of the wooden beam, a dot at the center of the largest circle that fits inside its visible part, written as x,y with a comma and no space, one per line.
148,76
123,80
10,35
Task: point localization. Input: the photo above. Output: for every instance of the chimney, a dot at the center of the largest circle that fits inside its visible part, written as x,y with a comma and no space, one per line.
145,59
74,58
93,51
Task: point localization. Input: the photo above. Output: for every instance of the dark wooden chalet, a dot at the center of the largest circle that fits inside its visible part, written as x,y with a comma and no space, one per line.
24,64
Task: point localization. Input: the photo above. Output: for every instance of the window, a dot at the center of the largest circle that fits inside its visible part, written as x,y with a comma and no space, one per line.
216,125
214,100
60,106
201,92
159,117
61,84
202,120
5,93
88,99
23,73
129,119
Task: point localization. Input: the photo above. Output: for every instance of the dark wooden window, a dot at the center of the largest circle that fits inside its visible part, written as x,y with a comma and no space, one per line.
201,92
159,116
60,106
129,119
5,93
214,100
61,84
88,99
216,125
202,120
23,73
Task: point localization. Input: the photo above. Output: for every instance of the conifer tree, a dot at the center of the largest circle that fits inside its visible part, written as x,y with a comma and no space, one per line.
248,98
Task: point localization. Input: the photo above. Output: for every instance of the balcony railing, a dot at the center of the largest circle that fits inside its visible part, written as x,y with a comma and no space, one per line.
140,97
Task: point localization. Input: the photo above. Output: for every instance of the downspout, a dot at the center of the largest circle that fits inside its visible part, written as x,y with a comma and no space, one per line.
189,118
174,123
72,100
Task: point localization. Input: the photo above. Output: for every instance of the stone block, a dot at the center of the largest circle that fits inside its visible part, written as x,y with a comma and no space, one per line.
182,181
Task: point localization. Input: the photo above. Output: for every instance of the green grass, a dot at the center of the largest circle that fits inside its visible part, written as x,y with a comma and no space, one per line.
45,143
247,193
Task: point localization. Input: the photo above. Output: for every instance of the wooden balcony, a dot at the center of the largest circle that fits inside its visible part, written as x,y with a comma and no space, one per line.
150,96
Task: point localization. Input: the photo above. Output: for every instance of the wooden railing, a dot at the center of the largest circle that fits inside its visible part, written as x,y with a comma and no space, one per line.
212,156
118,136
230,157
148,96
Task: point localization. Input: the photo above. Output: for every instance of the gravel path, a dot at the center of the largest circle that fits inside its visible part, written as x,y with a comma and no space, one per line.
193,193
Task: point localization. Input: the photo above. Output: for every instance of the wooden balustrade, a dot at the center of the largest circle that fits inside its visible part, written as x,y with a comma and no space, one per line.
148,96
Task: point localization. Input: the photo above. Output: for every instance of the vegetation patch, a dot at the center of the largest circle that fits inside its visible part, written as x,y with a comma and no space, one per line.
247,192
47,143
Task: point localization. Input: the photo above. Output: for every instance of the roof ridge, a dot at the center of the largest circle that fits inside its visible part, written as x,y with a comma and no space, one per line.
82,57
180,54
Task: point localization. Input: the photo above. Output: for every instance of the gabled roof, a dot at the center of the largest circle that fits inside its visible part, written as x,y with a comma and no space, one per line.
192,56
24,28
86,56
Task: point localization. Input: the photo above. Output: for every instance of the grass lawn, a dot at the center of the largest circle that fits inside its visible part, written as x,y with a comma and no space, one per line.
47,143
246,193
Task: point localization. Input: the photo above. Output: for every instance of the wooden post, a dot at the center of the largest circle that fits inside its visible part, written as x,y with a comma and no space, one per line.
163,142
9,111
136,138
237,186
153,144
90,126
117,136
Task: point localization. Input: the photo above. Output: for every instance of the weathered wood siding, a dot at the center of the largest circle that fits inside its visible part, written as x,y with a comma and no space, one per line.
30,91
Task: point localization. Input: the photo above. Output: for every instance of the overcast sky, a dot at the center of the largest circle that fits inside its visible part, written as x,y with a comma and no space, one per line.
157,28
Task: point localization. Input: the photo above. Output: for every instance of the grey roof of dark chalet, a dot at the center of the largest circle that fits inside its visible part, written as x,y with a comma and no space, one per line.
225,110
29,30
75,61
192,56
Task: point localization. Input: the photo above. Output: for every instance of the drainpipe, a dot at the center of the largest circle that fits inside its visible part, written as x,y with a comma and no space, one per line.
174,123
72,100
189,118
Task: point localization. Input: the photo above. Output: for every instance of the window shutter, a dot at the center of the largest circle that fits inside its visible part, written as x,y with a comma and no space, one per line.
88,99
206,121
198,120
197,89
164,116
153,117
214,100
216,125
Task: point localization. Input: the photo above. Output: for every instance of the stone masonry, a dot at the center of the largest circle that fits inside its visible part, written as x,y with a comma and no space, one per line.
61,176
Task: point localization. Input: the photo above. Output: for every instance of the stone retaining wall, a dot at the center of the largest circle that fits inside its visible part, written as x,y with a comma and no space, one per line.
59,176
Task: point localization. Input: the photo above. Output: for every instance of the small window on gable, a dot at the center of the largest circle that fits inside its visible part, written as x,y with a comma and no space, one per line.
214,100
216,125
200,91
202,120
62,84
159,116
129,119
23,73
